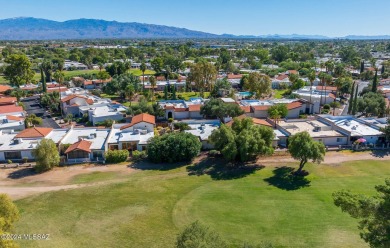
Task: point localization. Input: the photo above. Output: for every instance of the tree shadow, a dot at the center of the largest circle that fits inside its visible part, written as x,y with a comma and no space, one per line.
285,178
147,165
380,153
219,169
25,172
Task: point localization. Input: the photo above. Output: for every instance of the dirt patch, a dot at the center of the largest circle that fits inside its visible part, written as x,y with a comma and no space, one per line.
23,182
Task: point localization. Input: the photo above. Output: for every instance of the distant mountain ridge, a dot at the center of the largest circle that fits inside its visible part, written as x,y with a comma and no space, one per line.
29,28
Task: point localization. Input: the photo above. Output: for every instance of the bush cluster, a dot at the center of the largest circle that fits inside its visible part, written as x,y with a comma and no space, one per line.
116,156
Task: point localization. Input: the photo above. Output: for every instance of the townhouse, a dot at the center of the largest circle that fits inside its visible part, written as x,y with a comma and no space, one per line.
259,108
79,144
181,109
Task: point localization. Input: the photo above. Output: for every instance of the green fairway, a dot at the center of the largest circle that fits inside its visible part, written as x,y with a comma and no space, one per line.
150,207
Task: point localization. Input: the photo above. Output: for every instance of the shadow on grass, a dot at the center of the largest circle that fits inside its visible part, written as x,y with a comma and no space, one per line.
147,165
219,169
380,153
284,178
25,172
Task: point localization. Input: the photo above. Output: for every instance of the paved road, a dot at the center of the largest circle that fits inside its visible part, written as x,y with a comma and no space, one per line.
361,85
33,107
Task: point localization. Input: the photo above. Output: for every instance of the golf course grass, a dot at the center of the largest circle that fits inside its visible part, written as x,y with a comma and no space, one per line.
256,205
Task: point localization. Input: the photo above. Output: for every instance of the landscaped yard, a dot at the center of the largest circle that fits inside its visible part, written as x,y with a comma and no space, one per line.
279,93
150,207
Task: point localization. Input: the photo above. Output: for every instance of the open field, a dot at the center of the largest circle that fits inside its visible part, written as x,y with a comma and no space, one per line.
148,208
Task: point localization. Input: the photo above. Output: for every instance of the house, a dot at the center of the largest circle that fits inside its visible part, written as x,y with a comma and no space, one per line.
259,108
180,109
99,113
12,122
134,135
203,129
319,131
354,128
320,94
278,80
4,88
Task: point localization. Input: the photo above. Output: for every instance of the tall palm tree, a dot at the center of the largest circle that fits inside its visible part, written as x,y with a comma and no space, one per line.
143,69
311,77
153,82
129,92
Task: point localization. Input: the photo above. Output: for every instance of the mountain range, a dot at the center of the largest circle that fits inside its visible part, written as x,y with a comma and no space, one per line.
29,28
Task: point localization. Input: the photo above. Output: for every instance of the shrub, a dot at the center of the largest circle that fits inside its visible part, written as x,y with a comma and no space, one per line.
9,161
46,155
213,153
181,126
173,147
138,156
326,106
25,160
116,156
303,116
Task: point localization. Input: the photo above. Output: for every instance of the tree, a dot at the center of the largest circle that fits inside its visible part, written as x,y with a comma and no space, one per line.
143,69
153,82
46,155
277,111
43,81
9,213
102,75
258,84
174,92
375,82
173,147
157,64
371,104
311,76
386,130
362,66
18,71
279,53
221,87
196,235
18,93
302,147
59,77
355,101
243,141
32,120
351,102
216,108
203,74
130,92
372,211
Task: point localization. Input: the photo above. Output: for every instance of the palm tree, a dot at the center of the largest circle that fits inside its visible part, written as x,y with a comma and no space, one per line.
129,92
311,77
59,77
143,69
153,82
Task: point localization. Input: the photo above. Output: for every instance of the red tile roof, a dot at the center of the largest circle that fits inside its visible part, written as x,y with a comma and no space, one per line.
194,107
234,76
34,132
7,100
247,109
83,145
88,82
331,95
180,109
70,97
282,77
261,122
332,88
62,89
10,109
260,107
140,118
4,88
293,71
294,105
14,118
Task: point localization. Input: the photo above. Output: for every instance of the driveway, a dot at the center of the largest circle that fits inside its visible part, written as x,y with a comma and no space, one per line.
34,107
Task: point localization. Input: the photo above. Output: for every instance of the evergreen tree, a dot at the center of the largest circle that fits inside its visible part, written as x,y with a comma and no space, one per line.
355,101
375,82
173,92
43,81
382,69
362,66
166,92
351,98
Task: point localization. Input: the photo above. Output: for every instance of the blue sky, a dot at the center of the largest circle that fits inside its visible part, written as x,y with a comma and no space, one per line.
324,17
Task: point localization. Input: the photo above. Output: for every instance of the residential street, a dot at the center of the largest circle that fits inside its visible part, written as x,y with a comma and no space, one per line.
33,107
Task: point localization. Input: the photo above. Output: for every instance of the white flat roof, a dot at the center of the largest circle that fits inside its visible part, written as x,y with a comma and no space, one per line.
57,134
313,127
203,131
8,144
356,128
128,136
97,143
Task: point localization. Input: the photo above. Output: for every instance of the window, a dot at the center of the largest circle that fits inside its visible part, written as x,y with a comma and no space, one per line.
13,155
78,154
97,154
339,140
319,140
113,147
129,146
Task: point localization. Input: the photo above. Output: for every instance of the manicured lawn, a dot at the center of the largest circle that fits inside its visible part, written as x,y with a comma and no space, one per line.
151,206
279,93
